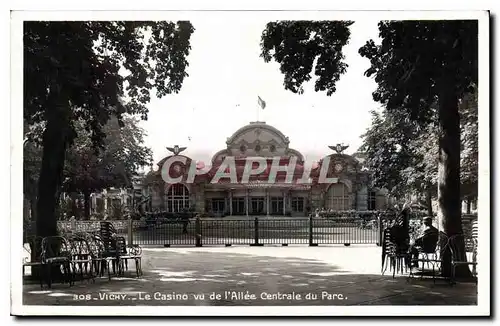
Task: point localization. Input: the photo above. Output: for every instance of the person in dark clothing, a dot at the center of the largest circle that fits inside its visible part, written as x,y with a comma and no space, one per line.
185,222
426,242
399,230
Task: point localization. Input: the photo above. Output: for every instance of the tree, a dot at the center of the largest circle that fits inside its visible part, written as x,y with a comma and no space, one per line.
298,46
91,71
114,165
420,63
399,154
386,146
407,163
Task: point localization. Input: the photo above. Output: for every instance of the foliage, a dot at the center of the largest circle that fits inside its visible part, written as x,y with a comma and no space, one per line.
422,69
418,59
401,155
420,64
101,68
91,71
407,163
31,168
123,154
470,146
32,162
421,174
118,211
299,45
387,154
66,209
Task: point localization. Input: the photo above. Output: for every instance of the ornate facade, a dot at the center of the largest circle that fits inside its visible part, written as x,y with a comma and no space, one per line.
347,188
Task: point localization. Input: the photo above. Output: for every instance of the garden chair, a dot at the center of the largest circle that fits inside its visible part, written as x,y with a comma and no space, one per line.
56,251
99,259
109,254
127,253
459,257
393,256
429,254
34,249
81,257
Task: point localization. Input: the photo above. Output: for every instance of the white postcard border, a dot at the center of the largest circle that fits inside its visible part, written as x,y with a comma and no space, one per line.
17,308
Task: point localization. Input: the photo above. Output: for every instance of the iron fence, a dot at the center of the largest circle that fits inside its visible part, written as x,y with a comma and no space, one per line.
257,231
349,228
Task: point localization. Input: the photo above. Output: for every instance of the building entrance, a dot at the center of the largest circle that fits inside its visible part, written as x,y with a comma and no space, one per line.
276,206
257,206
239,206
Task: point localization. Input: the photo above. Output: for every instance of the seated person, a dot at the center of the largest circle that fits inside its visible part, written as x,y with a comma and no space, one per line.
426,242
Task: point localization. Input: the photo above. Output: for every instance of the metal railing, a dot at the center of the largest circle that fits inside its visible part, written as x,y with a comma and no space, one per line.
256,231
348,228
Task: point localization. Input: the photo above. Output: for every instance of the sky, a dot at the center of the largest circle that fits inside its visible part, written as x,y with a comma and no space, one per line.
227,74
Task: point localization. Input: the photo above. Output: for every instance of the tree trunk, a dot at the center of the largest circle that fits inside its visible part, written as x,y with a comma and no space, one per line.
26,209
32,203
449,212
55,141
54,147
428,202
86,203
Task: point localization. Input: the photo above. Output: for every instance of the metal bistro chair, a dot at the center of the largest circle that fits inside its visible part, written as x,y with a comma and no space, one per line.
110,252
459,257
429,254
99,261
393,256
34,250
56,251
81,257
127,253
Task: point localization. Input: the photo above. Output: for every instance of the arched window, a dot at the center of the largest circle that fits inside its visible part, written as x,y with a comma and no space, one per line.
177,198
338,197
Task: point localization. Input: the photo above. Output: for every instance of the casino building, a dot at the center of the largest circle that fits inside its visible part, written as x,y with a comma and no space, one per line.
347,189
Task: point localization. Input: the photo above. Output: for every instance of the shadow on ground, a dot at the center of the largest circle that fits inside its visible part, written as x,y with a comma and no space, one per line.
182,277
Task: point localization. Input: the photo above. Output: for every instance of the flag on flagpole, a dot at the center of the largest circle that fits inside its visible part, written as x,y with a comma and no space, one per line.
262,103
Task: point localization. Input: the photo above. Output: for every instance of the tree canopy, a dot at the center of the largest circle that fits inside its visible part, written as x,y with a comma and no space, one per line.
417,60
123,154
422,70
300,46
389,152
470,146
91,71
407,161
100,69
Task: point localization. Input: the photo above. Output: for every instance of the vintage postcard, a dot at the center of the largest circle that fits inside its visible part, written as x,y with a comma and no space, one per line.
233,163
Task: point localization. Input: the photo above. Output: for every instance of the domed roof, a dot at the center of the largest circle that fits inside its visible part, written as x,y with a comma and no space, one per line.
257,127
257,139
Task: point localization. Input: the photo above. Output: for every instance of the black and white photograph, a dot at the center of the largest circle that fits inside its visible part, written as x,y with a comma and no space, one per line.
234,163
